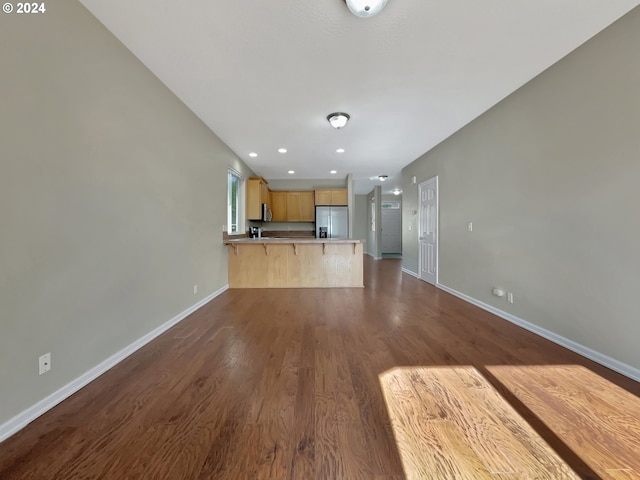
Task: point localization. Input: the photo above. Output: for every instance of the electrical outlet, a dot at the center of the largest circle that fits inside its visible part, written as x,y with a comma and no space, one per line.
224,228
470,226
410,227
44,363
195,289
509,297
498,292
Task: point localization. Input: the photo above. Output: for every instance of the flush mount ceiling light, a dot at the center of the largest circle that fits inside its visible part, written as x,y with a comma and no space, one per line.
282,150
340,150
338,119
253,154
397,191
365,8
382,178
291,172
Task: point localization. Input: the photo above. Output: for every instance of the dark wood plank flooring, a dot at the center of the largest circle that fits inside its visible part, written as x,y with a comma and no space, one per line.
281,384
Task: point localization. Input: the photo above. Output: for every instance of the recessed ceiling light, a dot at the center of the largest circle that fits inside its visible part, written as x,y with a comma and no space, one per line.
332,172
340,150
397,191
291,172
253,154
282,150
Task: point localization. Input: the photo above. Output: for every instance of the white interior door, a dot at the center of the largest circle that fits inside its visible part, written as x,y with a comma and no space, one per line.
428,231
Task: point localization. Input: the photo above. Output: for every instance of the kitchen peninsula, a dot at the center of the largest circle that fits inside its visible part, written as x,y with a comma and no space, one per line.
294,262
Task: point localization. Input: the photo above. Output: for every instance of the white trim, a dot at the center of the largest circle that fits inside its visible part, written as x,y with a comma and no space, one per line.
237,173
373,256
587,352
413,274
27,416
241,202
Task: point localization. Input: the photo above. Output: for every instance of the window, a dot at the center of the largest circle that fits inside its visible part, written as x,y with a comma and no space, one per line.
373,216
235,217
390,205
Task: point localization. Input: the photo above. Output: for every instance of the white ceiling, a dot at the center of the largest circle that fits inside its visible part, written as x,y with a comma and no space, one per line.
265,74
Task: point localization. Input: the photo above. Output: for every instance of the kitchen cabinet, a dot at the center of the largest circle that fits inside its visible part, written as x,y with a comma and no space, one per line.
257,194
294,263
265,194
293,206
307,207
300,207
331,197
279,206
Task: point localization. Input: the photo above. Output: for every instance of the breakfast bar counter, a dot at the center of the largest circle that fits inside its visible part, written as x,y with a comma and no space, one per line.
301,262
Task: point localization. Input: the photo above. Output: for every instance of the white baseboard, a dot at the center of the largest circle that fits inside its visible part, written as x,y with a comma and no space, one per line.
373,256
25,417
413,274
612,363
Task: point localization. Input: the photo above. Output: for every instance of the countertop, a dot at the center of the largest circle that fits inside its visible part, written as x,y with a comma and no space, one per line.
275,240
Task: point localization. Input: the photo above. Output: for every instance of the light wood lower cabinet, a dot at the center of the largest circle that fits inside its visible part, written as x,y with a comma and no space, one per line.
291,265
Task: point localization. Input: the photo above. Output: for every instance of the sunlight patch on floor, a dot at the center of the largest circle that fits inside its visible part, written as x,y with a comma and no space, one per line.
597,420
450,423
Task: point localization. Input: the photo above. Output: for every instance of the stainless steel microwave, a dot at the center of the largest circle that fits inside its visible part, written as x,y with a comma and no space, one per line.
266,213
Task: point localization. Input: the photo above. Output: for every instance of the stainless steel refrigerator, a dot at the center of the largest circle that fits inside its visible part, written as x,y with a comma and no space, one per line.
332,222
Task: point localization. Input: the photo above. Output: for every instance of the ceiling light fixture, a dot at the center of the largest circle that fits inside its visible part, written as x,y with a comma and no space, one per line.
340,150
382,178
338,119
253,154
365,8
282,150
291,172
397,191
333,172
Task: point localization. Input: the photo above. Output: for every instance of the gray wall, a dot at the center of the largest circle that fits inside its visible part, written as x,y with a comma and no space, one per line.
112,201
360,225
549,178
351,201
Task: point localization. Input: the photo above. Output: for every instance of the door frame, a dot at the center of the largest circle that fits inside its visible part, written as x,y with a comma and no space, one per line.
421,186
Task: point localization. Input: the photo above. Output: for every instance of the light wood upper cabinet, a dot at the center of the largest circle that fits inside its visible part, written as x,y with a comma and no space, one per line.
279,206
323,197
339,197
265,194
300,207
293,206
257,194
307,207
331,197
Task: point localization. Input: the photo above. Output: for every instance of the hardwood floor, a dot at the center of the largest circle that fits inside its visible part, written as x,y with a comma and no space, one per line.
284,384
